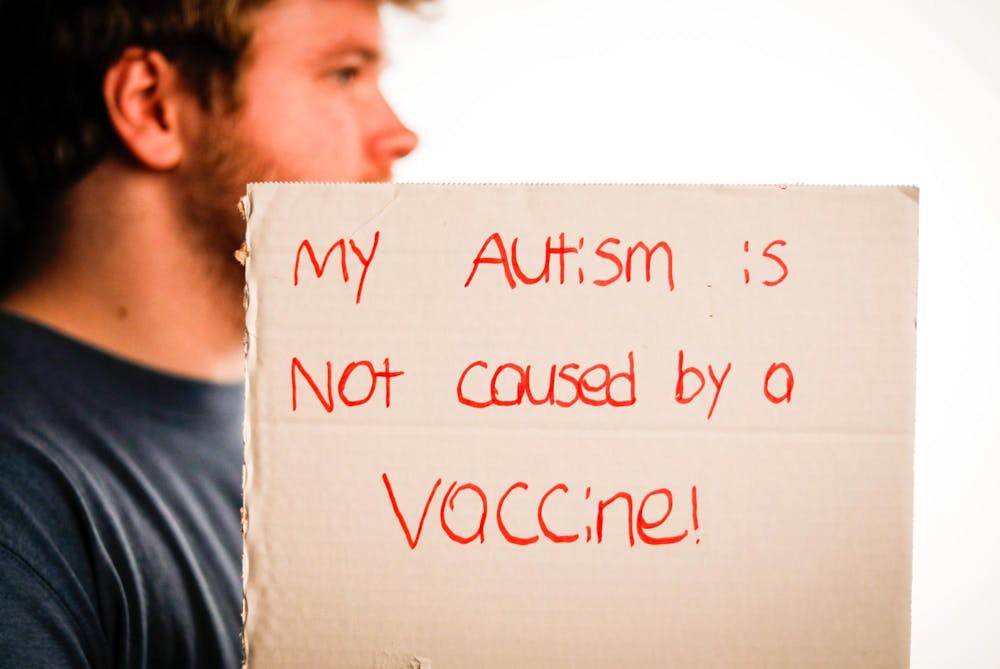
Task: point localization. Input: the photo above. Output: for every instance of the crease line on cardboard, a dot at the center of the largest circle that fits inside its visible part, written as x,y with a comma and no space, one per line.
378,214
394,660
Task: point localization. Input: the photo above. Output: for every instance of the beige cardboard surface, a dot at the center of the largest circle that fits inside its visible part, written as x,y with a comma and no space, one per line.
763,521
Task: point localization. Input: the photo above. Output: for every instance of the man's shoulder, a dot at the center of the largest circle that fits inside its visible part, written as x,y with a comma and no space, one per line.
43,450
120,491
54,492
36,480
90,442
46,568
43,498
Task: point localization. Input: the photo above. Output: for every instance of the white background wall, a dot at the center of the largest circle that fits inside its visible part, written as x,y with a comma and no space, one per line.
817,91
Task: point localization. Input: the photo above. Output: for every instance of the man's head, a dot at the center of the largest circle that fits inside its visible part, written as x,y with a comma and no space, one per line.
207,94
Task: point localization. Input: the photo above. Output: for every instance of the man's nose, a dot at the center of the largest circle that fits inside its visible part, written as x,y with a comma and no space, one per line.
392,140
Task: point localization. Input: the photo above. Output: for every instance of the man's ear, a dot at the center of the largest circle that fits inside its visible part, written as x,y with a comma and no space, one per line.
145,96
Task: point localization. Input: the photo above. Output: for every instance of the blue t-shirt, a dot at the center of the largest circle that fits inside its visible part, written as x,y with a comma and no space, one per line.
119,510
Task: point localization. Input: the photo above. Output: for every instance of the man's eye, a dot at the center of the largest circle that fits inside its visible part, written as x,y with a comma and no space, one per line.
345,75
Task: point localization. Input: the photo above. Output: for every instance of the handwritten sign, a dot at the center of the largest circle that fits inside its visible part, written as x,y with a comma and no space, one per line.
579,426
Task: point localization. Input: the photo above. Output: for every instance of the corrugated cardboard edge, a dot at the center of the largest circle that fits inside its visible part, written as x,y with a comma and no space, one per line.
244,256
910,190
250,306
250,205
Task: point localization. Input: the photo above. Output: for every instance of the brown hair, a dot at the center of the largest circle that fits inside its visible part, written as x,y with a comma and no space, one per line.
53,124
54,127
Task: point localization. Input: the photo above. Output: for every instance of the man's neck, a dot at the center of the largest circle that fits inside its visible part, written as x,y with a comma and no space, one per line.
126,280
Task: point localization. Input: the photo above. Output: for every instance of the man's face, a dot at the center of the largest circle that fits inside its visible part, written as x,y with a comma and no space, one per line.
311,108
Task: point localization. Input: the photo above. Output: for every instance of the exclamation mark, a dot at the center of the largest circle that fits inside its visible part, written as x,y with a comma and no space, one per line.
694,510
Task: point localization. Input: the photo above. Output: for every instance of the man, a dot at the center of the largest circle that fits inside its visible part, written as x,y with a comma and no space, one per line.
129,130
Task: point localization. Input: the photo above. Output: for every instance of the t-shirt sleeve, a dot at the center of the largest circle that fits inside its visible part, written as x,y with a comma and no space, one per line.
36,629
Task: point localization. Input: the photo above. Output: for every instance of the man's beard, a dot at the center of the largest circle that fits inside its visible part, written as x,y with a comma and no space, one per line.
222,164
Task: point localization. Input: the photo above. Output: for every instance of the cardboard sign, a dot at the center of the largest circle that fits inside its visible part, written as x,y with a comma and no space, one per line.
579,426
